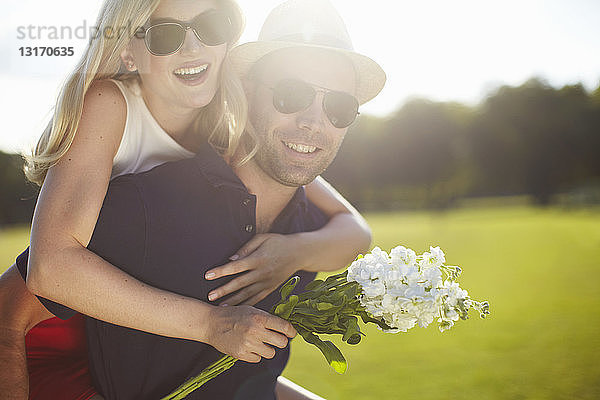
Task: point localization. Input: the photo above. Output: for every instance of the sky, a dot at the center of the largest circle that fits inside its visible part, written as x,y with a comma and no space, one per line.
459,50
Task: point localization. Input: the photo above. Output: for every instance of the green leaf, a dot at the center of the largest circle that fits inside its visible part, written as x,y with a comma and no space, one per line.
303,308
354,339
336,279
324,306
280,309
367,318
352,290
315,285
352,333
286,289
332,354
285,310
326,310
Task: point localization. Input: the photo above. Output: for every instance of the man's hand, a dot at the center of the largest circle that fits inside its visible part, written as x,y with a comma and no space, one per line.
268,260
247,333
19,312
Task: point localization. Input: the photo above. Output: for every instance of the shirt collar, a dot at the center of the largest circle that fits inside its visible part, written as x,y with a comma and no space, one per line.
299,200
218,173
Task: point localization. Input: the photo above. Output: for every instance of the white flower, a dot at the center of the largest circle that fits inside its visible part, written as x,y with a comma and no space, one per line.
438,254
415,293
407,290
434,258
413,277
452,292
452,315
374,288
402,322
393,276
445,324
401,255
433,276
377,256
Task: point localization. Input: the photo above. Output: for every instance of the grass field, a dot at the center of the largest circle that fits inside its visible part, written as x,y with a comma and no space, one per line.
540,270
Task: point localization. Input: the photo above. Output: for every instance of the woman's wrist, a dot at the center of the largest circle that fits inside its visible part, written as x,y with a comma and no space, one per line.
333,246
195,322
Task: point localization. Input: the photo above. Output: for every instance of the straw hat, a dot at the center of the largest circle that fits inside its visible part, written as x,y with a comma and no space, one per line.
310,23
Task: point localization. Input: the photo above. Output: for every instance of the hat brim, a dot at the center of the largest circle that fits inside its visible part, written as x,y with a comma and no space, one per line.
370,77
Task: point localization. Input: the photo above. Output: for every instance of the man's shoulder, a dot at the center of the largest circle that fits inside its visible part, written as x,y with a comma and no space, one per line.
163,172
164,178
123,191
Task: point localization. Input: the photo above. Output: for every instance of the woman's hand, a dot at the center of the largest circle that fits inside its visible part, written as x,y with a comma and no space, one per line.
247,333
268,260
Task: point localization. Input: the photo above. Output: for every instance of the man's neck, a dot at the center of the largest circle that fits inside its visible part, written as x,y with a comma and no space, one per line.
271,196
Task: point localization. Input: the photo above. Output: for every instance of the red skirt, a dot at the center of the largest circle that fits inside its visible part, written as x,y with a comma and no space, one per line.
57,359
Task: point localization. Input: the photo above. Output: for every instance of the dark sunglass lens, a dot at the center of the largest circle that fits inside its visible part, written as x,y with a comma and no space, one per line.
341,108
213,28
290,96
164,39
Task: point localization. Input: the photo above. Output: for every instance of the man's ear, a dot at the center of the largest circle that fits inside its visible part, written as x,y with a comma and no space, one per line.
128,59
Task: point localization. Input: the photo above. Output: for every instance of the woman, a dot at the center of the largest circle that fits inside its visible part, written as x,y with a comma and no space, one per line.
169,81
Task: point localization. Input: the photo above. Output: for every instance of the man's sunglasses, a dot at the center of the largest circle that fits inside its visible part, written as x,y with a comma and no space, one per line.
165,38
291,95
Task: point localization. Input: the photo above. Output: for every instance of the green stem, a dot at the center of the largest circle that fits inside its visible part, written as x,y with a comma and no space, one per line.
210,372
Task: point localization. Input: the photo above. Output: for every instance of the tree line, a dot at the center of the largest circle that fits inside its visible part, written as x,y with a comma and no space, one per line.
532,139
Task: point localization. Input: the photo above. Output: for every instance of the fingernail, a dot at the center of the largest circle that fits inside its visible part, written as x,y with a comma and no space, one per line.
212,296
234,257
209,275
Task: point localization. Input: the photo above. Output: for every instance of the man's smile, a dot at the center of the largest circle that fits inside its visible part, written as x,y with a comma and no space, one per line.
301,148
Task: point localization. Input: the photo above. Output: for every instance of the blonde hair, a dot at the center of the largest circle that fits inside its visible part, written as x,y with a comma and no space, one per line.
222,120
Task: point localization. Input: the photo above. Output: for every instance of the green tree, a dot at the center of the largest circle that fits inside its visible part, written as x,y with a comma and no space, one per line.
17,197
532,139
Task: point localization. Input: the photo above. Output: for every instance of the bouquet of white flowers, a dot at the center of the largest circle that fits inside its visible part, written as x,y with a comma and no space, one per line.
394,291
404,289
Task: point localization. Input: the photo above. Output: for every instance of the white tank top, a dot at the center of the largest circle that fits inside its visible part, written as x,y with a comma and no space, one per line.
144,144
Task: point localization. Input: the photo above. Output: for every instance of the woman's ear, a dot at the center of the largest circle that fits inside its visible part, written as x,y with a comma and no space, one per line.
128,59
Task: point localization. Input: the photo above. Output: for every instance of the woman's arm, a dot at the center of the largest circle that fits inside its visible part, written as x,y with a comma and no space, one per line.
62,269
19,312
269,259
346,235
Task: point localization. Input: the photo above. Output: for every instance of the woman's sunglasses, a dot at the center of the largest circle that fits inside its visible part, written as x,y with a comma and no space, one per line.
291,95
165,38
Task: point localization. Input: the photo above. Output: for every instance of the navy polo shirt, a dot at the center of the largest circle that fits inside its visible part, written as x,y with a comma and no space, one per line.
167,227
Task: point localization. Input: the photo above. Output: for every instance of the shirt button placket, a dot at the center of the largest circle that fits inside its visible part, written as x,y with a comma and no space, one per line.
248,228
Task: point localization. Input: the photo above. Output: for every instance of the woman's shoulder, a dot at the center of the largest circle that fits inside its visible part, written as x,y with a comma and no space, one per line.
104,111
104,98
106,94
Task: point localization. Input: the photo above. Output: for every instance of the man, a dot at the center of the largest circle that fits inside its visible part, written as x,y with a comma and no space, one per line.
304,87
